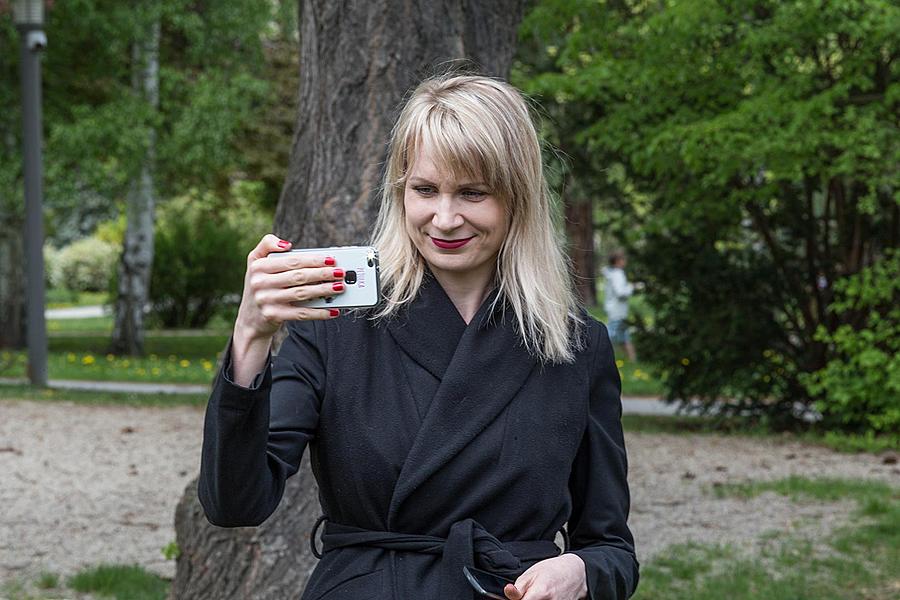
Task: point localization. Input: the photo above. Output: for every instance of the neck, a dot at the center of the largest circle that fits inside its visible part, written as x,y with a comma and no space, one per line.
466,291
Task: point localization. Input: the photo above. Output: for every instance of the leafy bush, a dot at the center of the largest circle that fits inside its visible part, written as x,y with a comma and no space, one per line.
859,388
85,265
201,250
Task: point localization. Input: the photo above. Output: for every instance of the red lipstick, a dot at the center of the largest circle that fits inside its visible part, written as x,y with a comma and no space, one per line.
450,244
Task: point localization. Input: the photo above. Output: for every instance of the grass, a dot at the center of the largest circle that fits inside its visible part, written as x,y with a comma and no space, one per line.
170,358
684,424
96,325
856,562
120,582
25,392
62,298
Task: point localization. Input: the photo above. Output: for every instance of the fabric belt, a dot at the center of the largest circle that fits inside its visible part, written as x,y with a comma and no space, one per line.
468,544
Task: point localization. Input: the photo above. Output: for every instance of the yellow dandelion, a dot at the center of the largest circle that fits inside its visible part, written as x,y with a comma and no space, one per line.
87,360
140,371
685,361
126,363
185,363
620,363
154,371
207,366
110,358
70,357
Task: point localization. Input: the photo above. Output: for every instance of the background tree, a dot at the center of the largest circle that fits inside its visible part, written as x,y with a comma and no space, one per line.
356,62
137,255
98,126
759,152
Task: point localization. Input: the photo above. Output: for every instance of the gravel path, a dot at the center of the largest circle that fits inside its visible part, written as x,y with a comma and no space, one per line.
80,485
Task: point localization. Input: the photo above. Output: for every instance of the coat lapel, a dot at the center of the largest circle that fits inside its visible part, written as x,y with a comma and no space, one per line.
429,328
480,375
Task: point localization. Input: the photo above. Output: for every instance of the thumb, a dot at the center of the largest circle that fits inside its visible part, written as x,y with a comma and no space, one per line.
512,592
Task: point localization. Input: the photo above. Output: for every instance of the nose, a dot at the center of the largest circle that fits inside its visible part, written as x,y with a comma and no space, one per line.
446,217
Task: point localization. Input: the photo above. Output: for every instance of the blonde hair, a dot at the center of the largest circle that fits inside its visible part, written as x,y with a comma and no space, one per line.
479,126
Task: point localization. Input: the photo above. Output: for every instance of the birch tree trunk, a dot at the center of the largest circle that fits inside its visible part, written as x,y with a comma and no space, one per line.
357,61
137,254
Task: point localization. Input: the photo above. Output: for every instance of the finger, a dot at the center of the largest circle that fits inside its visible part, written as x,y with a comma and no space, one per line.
268,244
279,263
295,313
295,277
300,293
512,592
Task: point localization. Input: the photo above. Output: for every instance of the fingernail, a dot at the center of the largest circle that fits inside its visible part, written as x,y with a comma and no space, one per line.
329,262
338,273
283,243
338,286
334,312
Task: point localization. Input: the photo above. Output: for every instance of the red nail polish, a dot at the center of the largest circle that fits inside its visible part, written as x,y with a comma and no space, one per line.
334,312
338,273
283,243
338,286
329,262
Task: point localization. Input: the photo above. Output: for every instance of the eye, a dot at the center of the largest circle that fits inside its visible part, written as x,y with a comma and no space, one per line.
425,190
473,194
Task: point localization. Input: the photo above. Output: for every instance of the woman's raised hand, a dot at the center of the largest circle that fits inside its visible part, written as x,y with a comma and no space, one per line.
273,282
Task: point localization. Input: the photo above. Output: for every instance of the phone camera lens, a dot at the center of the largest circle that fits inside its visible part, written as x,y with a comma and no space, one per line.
371,262
350,277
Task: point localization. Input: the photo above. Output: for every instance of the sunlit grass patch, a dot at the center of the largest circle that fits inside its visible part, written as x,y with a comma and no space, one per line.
25,392
129,582
800,488
858,561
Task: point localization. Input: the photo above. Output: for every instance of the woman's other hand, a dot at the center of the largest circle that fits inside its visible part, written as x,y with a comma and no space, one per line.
558,578
273,282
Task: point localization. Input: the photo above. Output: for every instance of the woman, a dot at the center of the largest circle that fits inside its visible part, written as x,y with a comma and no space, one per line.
465,419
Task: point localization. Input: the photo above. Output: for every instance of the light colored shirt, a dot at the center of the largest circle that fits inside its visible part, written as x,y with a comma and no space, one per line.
616,293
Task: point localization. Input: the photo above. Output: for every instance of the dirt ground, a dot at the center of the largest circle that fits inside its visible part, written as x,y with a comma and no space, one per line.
82,485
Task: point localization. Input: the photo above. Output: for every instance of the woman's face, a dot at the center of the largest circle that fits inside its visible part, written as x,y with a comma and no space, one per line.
457,224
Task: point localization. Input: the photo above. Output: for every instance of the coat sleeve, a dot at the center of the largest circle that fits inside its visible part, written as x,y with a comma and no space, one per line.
598,529
254,438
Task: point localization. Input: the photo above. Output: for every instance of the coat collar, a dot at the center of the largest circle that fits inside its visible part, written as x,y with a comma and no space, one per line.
481,366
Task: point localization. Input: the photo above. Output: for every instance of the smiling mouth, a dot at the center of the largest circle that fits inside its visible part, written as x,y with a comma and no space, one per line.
450,244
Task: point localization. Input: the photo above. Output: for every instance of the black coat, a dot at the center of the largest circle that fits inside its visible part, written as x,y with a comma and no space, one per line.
435,444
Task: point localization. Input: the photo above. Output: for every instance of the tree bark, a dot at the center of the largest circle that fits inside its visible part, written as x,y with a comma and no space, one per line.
580,235
357,61
137,254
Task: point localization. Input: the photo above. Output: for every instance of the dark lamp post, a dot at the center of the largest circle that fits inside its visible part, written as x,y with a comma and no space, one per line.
29,18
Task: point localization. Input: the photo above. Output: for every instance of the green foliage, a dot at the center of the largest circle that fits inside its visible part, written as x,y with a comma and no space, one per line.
171,550
201,252
746,155
859,388
83,266
96,124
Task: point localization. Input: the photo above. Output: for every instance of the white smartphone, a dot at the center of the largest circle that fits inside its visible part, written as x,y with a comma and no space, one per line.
361,282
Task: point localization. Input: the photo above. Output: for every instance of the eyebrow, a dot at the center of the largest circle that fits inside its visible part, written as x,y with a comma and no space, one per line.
418,180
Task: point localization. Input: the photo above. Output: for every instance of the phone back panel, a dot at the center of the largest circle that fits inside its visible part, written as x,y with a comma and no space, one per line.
361,283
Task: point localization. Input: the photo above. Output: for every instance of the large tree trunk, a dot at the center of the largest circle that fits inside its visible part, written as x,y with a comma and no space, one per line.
580,235
137,255
357,61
